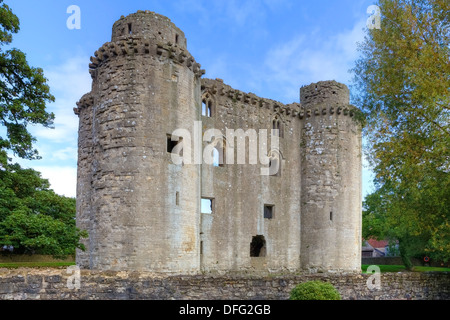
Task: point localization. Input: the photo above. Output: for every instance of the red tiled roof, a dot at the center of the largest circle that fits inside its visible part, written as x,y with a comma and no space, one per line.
378,243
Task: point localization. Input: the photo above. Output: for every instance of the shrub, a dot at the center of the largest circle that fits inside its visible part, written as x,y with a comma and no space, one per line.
315,290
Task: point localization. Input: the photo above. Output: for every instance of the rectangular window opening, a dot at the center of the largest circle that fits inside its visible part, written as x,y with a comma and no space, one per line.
269,211
172,144
130,30
207,205
201,247
331,215
176,38
177,198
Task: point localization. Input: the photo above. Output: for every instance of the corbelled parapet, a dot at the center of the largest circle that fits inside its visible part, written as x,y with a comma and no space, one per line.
325,92
140,45
85,102
217,87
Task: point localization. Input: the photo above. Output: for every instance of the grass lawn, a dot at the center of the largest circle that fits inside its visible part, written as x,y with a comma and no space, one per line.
36,264
397,268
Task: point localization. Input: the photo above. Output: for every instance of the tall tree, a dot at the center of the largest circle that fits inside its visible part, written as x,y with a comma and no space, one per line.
402,84
23,93
33,219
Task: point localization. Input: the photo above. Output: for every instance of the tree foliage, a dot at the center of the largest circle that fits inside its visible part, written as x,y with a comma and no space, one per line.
33,218
314,290
23,93
402,83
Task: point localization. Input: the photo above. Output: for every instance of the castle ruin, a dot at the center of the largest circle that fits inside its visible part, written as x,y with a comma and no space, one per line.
144,212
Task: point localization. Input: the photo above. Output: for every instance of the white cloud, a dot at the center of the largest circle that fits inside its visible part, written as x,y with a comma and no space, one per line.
63,180
68,83
58,147
307,59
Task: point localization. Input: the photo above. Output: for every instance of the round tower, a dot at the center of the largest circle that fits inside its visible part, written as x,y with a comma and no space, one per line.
330,179
140,209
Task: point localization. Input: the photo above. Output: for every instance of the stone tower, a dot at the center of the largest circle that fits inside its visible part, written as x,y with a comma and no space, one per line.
145,85
143,210
330,179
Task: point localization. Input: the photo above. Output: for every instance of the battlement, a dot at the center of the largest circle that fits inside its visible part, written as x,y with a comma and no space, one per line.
319,104
135,45
325,92
151,25
85,102
218,87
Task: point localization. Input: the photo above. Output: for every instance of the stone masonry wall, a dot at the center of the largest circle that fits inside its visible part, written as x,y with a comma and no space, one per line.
51,284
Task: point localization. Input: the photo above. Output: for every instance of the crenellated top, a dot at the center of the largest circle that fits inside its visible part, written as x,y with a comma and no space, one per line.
217,87
141,45
86,101
151,25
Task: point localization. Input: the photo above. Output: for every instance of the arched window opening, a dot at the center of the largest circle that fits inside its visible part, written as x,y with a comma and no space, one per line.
207,108
275,166
258,246
219,155
278,125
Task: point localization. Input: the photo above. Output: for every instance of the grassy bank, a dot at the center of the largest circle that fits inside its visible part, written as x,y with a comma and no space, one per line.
400,268
52,264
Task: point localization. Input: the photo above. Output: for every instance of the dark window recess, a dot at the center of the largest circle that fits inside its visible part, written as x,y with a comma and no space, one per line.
130,30
268,211
275,167
331,216
258,246
209,111
177,198
201,247
278,125
172,144
176,39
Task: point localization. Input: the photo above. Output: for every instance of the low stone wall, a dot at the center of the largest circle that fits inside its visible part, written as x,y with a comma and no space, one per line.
54,284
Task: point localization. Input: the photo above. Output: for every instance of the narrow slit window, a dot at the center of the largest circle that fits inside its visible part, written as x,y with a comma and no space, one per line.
204,108
201,247
268,211
331,215
177,198
130,30
219,156
209,109
176,38
275,167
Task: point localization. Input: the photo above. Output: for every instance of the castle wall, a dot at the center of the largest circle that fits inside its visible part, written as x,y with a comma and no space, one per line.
331,179
142,91
240,191
143,210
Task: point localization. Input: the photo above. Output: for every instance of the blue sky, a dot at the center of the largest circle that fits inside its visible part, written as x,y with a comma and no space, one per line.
268,47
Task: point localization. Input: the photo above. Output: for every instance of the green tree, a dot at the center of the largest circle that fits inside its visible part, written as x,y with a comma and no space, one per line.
23,93
33,219
401,83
